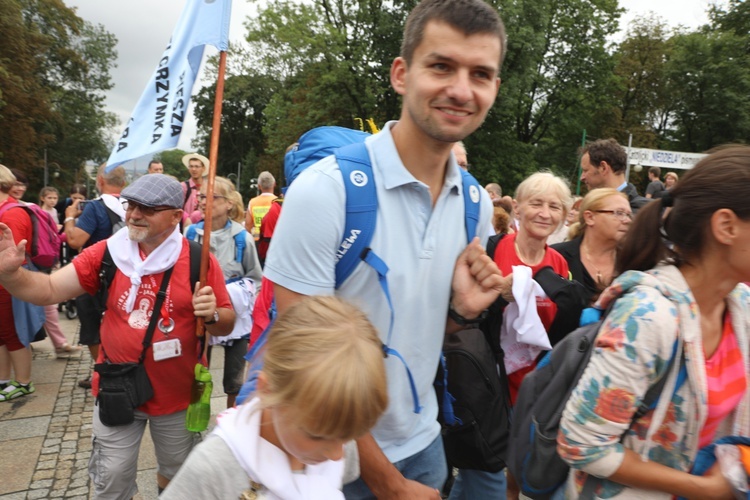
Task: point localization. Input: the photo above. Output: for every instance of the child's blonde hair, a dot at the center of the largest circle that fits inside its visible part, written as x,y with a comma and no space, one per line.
323,358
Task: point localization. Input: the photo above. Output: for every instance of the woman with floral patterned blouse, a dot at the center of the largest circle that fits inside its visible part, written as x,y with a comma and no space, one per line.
681,289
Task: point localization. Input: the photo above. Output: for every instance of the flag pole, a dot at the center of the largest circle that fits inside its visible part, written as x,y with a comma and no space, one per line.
212,158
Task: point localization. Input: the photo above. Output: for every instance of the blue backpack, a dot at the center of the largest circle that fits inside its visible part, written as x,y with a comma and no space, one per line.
361,213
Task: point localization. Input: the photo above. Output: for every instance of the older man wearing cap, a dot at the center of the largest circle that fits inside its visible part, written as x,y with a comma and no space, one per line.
142,255
197,165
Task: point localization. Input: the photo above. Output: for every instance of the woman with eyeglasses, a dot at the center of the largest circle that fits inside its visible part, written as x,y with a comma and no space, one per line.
234,248
681,315
603,219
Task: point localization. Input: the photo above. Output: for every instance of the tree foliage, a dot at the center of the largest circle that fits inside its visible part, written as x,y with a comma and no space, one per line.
320,62
550,86
54,70
172,161
710,84
241,139
641,103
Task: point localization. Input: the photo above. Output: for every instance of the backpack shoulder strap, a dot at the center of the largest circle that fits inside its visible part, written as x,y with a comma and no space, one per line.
106,275
195,263
359,226
114,218
188,190
472,199
492,244
361,208
8,206
240,243
190,233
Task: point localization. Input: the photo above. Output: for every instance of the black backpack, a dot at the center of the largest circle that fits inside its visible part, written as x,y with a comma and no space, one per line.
478,439
477,383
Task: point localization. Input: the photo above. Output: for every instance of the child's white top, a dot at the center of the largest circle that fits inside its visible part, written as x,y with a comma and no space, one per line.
213,468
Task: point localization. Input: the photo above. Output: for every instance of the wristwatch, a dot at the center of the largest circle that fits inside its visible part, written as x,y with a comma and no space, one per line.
461,321
214,319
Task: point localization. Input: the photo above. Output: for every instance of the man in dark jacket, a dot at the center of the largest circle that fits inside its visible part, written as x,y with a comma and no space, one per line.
603,165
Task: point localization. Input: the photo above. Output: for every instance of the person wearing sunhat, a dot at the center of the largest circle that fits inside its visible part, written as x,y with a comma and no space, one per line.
197,165
142,255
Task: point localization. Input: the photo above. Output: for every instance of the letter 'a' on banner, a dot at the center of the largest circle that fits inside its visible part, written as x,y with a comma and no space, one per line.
158,118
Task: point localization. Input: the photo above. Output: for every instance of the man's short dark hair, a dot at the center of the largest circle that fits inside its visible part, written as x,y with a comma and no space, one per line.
608,150
655,171
468,16
153,162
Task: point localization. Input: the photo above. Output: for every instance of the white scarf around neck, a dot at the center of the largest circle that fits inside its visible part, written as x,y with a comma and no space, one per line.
266,464
113,203
127,258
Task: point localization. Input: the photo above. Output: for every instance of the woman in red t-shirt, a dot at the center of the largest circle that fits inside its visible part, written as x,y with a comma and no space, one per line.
540,207
14,355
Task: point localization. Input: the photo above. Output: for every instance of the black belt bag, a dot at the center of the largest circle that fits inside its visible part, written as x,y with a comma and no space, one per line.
123,387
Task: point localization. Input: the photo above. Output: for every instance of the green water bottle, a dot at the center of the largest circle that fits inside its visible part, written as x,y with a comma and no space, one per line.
199,411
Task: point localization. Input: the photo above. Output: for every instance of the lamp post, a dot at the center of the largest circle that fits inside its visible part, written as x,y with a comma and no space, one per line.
47,164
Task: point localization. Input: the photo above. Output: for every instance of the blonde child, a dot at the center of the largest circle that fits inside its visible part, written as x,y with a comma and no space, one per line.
322,385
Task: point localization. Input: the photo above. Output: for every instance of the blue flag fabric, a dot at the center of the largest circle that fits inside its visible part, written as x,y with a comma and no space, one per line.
158,118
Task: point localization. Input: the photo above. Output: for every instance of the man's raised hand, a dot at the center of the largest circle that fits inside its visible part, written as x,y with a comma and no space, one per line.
11,255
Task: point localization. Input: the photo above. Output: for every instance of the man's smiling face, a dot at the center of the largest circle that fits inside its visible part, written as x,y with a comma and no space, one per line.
451,82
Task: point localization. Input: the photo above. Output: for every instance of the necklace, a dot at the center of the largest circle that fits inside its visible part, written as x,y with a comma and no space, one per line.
599,276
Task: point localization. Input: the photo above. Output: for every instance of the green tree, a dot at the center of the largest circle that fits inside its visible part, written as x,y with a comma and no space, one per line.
709,73
642,102
24,98
172,161
333,59
80,122
557,72
243,117
54,70
734,17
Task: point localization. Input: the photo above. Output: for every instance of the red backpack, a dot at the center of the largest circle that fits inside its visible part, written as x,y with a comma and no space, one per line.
45,241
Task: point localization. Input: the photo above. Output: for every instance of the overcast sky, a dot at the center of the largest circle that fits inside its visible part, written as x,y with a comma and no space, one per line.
143,28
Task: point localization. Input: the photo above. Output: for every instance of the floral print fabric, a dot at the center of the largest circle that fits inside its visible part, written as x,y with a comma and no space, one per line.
632,352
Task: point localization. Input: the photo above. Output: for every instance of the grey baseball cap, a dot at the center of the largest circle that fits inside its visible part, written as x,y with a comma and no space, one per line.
155,190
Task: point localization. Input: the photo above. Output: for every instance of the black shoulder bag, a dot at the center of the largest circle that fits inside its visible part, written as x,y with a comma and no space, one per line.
123,387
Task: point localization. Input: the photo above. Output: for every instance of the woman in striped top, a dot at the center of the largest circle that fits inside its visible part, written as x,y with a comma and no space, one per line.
681,295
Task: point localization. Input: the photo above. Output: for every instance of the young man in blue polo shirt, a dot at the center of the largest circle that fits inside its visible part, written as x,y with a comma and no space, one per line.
448,75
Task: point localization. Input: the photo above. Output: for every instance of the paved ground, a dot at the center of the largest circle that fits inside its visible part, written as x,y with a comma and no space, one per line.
45,438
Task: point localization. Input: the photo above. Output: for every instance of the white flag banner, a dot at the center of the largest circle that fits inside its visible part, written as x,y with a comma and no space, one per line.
158,118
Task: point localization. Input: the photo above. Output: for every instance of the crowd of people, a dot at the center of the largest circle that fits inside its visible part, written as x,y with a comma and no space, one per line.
344,405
